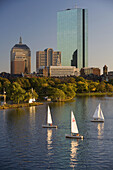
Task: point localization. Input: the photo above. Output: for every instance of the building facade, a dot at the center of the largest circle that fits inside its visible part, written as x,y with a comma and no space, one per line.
20,59
47,58
72,37
90,70
105,70
63,71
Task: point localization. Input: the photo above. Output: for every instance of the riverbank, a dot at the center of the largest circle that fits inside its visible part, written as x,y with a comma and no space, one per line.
11,106
95,94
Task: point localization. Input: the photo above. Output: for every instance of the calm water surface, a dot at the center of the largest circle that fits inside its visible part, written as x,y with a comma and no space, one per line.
24,144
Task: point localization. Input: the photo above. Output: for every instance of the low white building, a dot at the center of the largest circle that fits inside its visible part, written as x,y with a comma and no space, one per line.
63,71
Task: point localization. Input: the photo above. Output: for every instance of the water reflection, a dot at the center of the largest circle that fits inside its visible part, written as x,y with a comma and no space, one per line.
73,155
32,111
4,114
49,141
100,128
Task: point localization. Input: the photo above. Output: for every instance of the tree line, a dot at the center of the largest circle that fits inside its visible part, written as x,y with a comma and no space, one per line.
58,89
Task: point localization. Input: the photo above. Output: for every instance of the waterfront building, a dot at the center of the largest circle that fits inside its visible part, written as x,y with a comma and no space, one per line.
47,58
63,71
90,70
20,59
72,37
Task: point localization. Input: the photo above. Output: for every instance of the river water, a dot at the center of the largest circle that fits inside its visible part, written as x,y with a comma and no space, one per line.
24,144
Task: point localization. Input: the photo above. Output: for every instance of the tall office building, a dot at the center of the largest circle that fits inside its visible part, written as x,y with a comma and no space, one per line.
72,37
20,58
47,58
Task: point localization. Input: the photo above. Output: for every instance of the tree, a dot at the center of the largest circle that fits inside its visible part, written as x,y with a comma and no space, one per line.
109,87
101,87
92,86
24,82
0,87
17,93
6,85
59,95
82,86
31,94
70,91
81,79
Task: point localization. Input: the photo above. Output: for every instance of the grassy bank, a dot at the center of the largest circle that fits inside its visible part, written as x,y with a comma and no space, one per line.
11,106
95,94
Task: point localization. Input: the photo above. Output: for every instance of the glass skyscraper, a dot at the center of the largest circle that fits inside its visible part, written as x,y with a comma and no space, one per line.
72,37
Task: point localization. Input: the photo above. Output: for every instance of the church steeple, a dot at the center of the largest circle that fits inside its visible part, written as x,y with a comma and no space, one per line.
20,42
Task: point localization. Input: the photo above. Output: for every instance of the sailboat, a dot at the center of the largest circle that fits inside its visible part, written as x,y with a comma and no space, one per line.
74,129
98,115
49,120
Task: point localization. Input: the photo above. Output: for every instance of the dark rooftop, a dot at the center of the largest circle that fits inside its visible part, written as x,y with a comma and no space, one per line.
21,46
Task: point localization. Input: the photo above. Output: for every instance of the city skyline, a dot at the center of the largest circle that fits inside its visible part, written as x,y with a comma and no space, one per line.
36,22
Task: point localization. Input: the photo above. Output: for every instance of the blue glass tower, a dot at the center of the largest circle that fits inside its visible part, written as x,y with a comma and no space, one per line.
72,37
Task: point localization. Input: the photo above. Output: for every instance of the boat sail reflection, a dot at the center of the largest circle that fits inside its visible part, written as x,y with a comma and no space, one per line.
100,128
32,111
49,141
73,155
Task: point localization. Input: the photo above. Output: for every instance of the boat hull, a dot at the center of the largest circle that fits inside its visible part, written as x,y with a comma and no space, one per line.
49,126
97,121
74,136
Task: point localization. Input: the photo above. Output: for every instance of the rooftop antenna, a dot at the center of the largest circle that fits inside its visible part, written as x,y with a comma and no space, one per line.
20,40
75,4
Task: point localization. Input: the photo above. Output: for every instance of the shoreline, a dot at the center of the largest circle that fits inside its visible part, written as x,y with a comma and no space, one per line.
13,106
94,94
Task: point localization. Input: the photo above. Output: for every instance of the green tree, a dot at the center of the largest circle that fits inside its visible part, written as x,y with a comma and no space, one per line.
0,87
111,81
101,87
109,87
6,85
17,93
82,86
70,91
59,95
51,83
81,79
92,86
24,82
31,94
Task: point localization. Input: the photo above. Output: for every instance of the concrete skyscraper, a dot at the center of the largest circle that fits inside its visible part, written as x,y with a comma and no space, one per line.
72,37
47,58
20,58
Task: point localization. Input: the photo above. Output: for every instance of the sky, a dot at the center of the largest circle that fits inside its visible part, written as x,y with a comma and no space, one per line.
36,22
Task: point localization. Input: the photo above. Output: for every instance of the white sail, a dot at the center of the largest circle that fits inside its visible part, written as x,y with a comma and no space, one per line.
49,119
97,112
74,128
101,114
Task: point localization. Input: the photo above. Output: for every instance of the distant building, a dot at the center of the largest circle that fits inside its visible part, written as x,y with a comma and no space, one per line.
72,37
20,59
90,70
105,70
43,71
63,71
47,58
